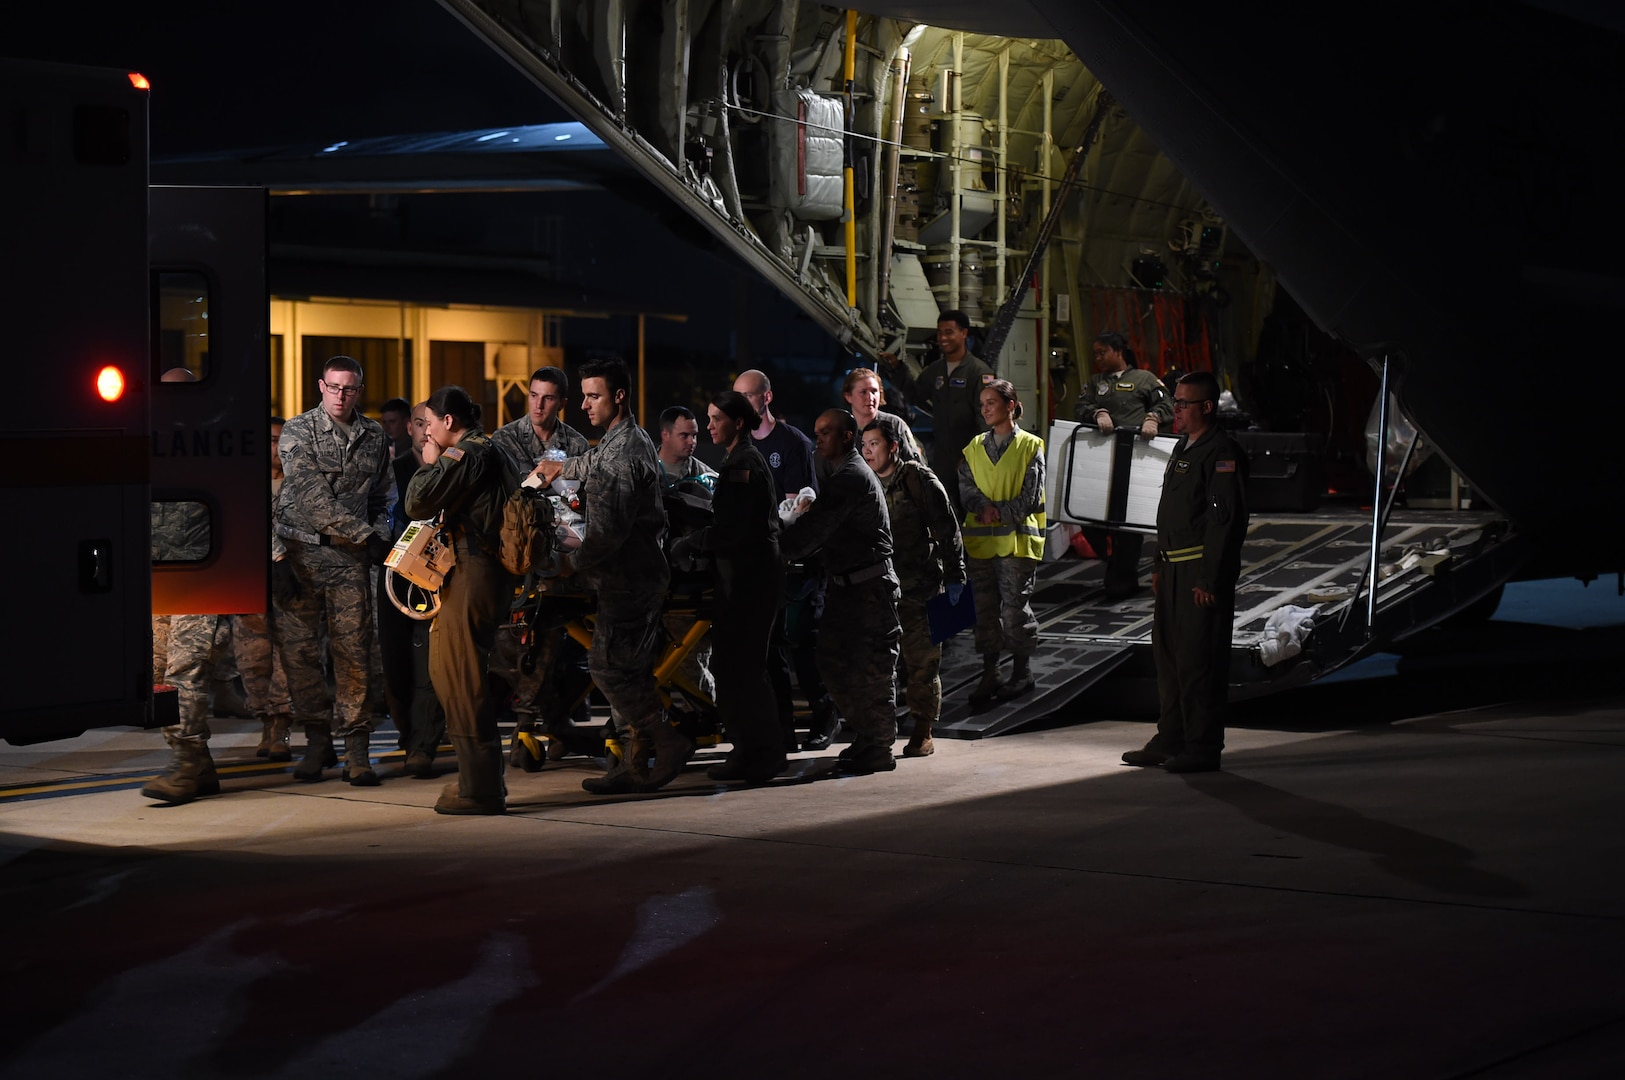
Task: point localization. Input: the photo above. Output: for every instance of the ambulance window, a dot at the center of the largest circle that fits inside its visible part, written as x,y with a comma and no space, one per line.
181,325
182,531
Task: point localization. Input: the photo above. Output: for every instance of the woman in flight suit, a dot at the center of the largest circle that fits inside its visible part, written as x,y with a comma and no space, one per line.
467,479
743,539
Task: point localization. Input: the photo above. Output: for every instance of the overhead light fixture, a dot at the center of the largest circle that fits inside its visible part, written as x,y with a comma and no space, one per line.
335,146
493,135
562,138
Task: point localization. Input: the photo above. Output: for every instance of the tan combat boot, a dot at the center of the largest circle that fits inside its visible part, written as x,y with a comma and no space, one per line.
358,771
267,730
278,748
190,774
628,768
672,750
919,743
319,754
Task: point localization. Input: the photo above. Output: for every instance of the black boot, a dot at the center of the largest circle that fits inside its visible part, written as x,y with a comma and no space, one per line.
1020,682
825,721
1155,752
988,688
479,789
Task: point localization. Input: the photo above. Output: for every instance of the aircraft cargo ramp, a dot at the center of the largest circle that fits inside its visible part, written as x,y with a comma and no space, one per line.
1434,565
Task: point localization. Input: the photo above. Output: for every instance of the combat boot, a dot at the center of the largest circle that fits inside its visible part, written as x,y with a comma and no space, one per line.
358,770
420,764
672,750
1155,752
753,767
1020,682
988,688
190,774
628,770
919,743
278,748
319,754
480,789
872,758
825,721
263,748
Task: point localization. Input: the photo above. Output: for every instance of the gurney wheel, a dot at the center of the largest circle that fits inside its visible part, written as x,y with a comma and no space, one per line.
521,756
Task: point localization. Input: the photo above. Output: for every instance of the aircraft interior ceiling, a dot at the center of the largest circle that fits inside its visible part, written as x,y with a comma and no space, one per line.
1410,213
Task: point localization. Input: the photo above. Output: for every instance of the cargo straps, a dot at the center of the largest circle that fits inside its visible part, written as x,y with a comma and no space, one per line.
1189,554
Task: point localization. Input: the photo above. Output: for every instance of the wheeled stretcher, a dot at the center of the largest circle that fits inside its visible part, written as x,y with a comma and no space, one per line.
554,610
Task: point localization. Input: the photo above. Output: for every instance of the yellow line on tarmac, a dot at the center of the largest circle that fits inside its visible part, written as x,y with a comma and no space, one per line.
254,768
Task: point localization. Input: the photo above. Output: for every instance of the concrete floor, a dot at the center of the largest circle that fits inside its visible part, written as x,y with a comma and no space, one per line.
1417,868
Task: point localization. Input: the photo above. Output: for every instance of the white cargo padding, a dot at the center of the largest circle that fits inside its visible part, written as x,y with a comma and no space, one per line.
806,176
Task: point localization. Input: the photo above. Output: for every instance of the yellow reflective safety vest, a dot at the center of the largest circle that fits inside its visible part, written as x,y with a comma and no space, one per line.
1001,482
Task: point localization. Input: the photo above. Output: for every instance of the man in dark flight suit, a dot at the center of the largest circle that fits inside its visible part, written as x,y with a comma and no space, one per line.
1201,523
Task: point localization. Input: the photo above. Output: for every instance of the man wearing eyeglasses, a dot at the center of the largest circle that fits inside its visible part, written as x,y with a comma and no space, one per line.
1201,523
1120,395
331,519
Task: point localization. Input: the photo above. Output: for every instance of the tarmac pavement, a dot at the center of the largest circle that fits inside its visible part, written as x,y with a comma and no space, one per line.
1413,869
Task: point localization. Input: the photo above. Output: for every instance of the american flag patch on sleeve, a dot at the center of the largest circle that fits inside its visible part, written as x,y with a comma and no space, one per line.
1224,466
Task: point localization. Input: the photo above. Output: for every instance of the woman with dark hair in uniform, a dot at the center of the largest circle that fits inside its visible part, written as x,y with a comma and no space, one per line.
743,539
929,558
469,480
1001,483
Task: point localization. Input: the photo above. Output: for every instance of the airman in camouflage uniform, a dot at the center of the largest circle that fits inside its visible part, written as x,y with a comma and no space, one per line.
857,649
183,657
265,682
525,440
332,520
927,554
180,533
622,558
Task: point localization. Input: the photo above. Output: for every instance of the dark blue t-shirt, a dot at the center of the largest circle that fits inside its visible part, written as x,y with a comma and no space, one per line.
789,456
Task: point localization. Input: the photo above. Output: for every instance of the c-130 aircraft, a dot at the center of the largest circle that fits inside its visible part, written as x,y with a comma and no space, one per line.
1431,185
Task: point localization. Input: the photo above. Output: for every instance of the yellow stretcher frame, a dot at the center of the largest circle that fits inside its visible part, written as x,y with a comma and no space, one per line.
667,672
